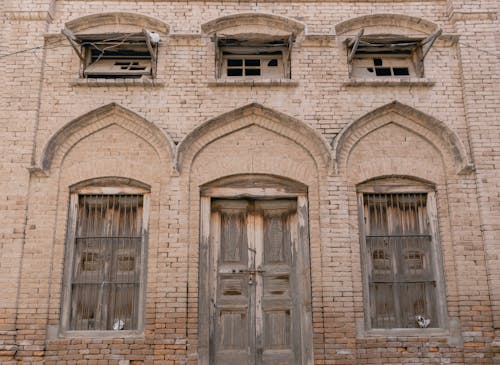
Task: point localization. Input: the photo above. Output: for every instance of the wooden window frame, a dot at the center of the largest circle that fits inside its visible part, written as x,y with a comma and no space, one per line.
99,189
264,48
389,48
404,186
134,51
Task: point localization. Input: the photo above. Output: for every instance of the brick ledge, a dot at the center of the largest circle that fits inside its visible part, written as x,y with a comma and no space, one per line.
261,82
144,82
391,81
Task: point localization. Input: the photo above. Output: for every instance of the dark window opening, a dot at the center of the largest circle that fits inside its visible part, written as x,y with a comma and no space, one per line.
273,63
401,71
251,62
234,72
236,63
252,72
383,71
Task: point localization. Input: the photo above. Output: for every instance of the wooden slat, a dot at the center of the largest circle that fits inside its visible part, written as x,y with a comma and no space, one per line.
398,259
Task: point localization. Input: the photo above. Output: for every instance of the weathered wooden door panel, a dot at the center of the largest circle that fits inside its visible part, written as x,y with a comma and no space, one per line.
233,310
256,313
275,311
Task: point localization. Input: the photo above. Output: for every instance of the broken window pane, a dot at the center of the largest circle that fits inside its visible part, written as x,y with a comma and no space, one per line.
253,58
117,55
384,56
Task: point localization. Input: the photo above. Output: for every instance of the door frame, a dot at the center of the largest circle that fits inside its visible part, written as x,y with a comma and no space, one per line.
254,186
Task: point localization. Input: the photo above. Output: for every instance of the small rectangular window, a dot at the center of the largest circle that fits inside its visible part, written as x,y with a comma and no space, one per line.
398,261
107,262
116,55
381,55
253,58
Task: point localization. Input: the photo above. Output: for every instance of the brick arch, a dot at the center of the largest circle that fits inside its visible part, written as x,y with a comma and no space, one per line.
435,132
117,19
254,21
387,20
266,118
112,114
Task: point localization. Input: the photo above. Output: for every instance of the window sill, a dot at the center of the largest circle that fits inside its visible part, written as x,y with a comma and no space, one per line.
407,332
391,81
97,334
259,82
144,82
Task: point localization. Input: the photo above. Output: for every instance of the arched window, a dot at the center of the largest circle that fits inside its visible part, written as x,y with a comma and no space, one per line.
252,46
387,45
400,255
116,45
105,257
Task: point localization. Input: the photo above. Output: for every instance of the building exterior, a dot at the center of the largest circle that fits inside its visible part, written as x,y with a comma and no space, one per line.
250,182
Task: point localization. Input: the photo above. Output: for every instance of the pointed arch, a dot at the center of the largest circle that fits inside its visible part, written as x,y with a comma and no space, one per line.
387,20
117,19
253,20
112,114
269,119
429,128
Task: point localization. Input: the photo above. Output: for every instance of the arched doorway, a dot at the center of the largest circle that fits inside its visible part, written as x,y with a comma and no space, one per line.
255,287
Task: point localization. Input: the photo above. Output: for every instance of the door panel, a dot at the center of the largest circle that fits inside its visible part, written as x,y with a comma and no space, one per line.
255,320
275,310
233,310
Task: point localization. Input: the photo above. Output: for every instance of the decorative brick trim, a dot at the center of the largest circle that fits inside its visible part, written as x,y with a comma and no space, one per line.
69,135
270,119
253,19
394,20
434,131
121,18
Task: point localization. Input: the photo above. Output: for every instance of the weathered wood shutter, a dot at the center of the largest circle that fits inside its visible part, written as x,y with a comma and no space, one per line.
398,259
106,268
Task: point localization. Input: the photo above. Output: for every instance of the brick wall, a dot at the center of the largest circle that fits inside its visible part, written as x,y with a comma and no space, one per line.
187,129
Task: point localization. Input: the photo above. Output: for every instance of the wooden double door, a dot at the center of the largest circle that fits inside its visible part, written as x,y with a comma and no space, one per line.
258,287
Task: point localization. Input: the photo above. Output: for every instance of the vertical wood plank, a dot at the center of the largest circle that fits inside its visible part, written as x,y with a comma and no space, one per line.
259,282
204,278
303,268
436,255
69,248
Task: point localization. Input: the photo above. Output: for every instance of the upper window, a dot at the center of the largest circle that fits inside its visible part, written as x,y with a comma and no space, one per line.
105,260
253,46
400,259
247,58
116,55
379,56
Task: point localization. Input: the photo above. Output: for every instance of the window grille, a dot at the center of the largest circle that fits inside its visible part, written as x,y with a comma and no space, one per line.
398,260
106,267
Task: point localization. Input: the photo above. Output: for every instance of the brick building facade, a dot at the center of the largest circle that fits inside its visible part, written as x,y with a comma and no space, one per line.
254,182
